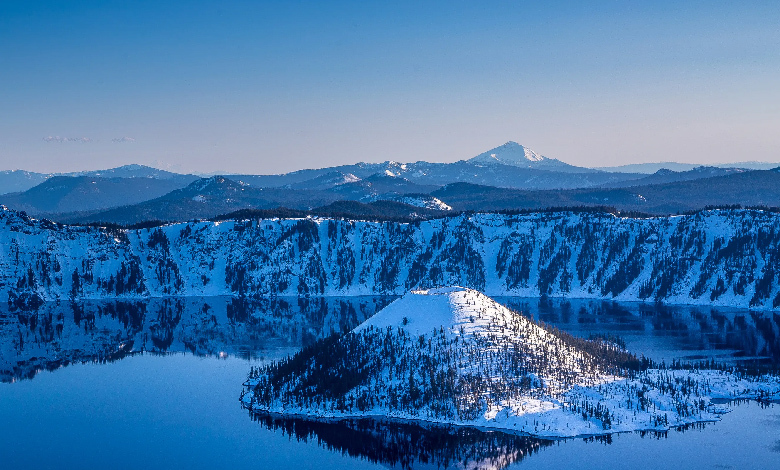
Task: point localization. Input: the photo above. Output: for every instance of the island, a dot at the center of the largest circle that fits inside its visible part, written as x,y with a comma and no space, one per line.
453,356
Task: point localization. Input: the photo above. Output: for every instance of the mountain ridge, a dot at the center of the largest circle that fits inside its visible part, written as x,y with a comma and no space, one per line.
62,194
716,257
508,177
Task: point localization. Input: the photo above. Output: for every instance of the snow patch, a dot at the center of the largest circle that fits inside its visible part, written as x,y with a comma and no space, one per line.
428,202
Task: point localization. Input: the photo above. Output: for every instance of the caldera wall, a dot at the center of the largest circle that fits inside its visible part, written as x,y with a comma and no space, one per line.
729,258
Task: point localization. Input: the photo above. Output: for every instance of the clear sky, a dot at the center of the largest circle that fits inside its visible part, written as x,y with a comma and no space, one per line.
267,87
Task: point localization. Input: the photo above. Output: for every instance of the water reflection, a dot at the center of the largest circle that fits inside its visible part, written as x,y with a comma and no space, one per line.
408,445
55,335
661,332
58,334
665,332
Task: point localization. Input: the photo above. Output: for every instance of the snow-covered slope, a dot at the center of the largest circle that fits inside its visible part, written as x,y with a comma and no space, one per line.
471,316
514,154
455,356
720,257
510,153
424,200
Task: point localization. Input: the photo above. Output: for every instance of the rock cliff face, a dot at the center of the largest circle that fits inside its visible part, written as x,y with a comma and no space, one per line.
729,258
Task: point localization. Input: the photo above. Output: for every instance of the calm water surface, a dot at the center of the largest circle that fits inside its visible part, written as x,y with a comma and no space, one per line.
77,392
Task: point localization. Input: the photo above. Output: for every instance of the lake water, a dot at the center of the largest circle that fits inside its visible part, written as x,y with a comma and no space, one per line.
155,385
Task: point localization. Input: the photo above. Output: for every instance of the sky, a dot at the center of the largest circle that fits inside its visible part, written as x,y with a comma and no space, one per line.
270,87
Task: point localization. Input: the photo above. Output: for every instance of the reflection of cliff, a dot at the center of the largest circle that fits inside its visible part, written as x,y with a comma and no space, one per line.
411,446
690,329
57,334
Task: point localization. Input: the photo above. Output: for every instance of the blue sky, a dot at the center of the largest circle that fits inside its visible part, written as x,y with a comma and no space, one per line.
266,87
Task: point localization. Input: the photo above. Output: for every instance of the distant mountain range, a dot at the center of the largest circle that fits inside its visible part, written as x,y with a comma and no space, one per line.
749,188
13,181
508,177
210,197
669,176
61,194
204,198
674,166
510,166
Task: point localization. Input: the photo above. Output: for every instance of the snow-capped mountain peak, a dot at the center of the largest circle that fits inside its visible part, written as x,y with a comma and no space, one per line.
511,153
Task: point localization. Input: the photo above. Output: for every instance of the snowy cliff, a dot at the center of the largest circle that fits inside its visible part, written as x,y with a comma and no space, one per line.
717,257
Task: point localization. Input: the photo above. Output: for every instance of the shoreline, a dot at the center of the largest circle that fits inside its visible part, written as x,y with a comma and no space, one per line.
715,409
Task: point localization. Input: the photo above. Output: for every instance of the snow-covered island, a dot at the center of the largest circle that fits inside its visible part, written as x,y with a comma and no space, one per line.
455,356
